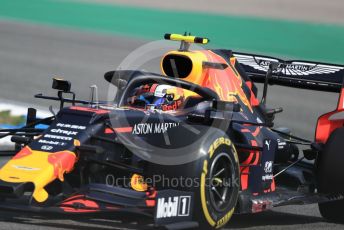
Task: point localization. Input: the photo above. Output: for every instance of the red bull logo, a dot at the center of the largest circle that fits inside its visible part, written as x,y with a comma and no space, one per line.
38,167
226,83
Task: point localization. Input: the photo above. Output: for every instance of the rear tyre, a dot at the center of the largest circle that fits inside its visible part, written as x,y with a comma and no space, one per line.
330,176
332,211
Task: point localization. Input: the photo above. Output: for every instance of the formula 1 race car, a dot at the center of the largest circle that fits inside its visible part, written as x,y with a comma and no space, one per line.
188,148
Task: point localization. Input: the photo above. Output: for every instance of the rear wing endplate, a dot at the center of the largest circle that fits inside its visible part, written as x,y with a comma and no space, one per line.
293,73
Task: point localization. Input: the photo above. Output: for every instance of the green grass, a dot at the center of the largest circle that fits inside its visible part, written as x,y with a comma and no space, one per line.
283,38
7,118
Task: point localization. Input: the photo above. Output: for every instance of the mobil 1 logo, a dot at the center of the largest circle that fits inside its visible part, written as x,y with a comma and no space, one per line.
173,206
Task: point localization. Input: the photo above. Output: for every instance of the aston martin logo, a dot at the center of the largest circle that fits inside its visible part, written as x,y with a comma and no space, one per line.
293,68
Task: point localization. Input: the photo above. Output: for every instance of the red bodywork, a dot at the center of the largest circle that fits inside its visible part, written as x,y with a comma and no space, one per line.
326,124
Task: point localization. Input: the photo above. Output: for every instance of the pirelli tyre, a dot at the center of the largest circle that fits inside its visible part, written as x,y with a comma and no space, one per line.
216,182
219,184
330,176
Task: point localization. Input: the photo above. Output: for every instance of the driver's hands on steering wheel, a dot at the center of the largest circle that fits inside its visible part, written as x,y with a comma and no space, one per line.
141,100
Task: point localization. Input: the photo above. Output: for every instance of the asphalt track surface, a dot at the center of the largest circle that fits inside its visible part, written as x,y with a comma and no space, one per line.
287,38
330,11
30,55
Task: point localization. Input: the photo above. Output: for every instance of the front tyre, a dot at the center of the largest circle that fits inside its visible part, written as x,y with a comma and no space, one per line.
219,185
215,176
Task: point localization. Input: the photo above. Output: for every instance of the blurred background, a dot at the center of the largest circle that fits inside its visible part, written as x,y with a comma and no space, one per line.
80,40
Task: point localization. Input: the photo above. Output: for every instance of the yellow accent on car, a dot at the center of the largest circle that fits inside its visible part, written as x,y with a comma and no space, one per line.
197,58
34,166
224,220
186,38
218,180
138,184
76,142
217,143
22,169
203,196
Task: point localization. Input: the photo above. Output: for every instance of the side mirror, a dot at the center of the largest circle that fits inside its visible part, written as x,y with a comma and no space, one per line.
120,83
119,78
61,85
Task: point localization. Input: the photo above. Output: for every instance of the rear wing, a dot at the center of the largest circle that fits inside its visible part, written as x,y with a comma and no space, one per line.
293,73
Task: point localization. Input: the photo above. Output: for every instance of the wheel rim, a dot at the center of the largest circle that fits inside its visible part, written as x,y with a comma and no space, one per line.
220,187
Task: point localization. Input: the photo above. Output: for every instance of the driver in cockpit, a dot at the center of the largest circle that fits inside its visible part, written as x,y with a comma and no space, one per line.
157,96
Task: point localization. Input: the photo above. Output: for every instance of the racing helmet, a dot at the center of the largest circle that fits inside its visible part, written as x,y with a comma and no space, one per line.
157,96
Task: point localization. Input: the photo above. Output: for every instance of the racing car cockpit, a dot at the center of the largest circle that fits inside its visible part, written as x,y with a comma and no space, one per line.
145,90
157,96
